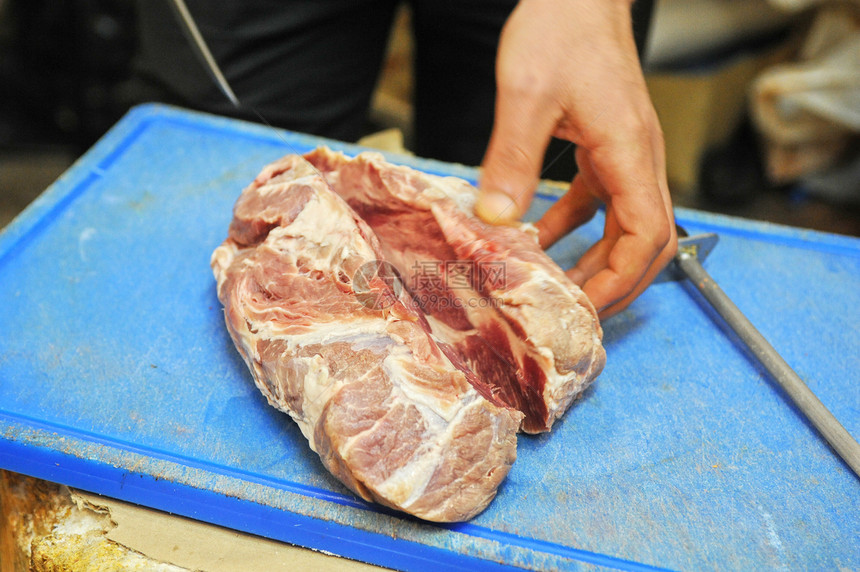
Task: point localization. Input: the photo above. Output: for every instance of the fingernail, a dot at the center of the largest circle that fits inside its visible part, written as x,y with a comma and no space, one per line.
496,207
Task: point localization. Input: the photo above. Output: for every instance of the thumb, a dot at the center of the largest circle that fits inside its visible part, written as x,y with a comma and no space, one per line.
511,166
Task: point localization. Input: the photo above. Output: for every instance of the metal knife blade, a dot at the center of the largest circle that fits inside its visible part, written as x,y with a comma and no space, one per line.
189,26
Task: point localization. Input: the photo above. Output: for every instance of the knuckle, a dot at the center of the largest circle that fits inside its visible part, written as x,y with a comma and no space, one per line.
631,123
663,239
524,84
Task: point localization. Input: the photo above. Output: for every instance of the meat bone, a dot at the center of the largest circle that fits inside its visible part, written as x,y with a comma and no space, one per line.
692,251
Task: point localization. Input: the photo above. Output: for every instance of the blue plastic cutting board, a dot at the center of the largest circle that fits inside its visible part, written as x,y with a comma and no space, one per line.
117,376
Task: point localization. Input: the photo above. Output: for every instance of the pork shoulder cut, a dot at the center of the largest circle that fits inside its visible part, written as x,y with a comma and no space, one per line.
407,339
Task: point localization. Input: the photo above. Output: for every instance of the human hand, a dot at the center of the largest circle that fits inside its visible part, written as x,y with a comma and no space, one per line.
570,70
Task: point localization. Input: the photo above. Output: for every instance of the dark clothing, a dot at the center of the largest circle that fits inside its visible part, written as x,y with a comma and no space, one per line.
311,65
305,65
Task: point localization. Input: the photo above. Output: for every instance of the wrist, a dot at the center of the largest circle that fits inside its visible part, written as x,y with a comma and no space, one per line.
622,5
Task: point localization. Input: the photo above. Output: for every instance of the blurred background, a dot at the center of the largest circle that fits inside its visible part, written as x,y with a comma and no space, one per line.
759,100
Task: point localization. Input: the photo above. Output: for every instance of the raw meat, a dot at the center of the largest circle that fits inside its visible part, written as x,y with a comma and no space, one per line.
408,340
529,333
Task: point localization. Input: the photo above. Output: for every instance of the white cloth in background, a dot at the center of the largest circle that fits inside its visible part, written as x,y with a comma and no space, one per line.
808,111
